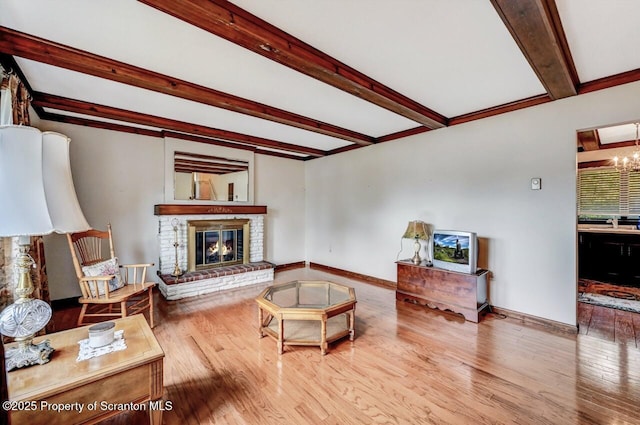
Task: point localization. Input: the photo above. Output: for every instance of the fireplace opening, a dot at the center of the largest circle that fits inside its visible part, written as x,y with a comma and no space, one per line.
217,243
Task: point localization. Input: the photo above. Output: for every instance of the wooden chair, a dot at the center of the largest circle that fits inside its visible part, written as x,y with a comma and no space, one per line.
99,299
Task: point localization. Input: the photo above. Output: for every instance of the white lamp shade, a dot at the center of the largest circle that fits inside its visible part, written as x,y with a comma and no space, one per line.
36,184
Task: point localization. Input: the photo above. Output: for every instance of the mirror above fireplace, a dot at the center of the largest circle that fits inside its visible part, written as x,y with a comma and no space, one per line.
210,178
206,174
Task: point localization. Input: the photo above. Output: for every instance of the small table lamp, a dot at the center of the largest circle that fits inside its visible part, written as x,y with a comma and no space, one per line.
417,230
36,184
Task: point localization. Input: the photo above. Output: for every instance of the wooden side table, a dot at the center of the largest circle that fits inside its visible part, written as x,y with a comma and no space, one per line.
443,289
65,391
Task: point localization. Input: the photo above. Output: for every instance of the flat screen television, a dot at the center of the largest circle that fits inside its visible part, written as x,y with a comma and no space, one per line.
455,250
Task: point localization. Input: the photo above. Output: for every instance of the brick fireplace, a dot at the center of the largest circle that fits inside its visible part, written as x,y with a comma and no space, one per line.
203,280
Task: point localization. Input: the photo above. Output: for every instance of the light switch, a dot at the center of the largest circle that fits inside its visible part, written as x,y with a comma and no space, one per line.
536,183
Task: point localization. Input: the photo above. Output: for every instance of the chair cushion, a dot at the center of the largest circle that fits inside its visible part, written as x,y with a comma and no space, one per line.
105,268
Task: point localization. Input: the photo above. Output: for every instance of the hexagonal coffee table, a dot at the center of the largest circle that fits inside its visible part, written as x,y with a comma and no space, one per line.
307,312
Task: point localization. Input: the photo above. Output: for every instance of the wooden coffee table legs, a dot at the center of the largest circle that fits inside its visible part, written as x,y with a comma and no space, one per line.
323,335
352,323
306,331
280,335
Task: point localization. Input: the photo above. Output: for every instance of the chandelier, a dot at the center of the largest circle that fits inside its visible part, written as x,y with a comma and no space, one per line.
631,163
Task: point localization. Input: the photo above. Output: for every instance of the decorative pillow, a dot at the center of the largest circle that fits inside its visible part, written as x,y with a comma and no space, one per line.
105,268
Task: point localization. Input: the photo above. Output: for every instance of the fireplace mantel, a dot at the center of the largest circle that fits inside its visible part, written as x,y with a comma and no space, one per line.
182,209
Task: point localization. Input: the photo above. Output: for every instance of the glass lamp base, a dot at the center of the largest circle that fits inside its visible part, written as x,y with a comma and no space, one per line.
27,354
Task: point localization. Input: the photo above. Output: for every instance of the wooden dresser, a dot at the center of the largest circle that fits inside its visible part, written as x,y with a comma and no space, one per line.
461,293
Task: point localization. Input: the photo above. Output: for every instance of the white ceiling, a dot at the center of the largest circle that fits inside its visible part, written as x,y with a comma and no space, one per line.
617,133
454,57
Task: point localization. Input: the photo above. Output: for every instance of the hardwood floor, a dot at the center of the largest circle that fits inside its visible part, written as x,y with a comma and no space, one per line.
407,365
613,325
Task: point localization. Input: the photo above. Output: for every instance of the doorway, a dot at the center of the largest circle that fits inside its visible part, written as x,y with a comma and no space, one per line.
608,249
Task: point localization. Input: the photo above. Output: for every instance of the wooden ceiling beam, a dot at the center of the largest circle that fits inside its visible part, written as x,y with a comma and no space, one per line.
257,150
207,170
85,122
208,158
86,108
589,140
228,21
207,165
610,81
536,28
34,48
592,164
500,109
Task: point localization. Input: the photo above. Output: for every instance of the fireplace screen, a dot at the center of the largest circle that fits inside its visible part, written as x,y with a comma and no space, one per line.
215,243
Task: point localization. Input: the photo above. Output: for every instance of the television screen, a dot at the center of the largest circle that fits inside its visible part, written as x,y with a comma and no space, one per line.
455,250
451,248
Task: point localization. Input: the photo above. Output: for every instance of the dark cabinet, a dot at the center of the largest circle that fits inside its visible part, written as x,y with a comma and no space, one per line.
609,257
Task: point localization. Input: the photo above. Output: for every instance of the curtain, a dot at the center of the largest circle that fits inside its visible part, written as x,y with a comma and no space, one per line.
16,97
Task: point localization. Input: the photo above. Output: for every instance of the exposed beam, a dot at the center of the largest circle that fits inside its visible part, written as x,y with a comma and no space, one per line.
402,134
623,144
206,140
50,116
589,140
590,86
207,166
342,149
535,26
30,47
208,158
257,150
209,170
238,26
592,164
283,155
610,81
86,108
161,134
500,109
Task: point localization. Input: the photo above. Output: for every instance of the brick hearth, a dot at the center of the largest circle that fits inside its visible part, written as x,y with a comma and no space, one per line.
213,280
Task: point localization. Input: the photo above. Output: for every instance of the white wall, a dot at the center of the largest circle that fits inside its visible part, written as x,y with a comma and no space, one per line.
474,177
279,184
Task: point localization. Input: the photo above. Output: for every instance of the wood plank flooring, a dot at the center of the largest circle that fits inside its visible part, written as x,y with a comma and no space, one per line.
609,324
407,365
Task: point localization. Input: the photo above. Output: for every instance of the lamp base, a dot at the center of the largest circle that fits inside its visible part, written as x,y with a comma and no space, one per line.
416,259
27,354
177,272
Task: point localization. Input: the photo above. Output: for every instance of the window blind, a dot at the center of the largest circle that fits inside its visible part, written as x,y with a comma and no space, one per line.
605,191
